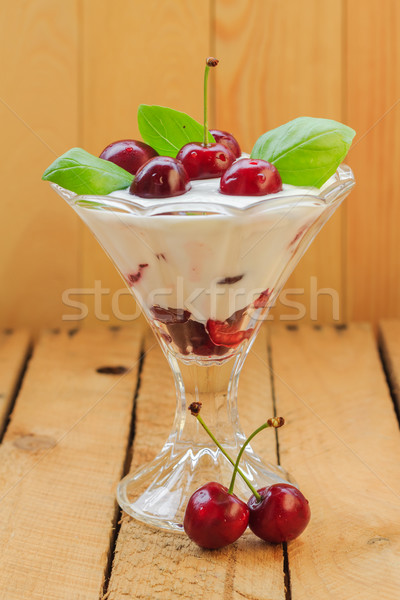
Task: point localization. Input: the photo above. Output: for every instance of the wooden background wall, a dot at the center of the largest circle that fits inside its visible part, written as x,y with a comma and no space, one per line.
73,72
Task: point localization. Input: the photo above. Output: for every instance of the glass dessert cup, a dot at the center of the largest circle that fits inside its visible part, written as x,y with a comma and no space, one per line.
205,268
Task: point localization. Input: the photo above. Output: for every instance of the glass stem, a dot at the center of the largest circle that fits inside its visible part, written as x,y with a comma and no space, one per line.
215,387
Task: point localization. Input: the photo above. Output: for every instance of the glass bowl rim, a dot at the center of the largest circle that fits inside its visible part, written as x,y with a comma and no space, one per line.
333,189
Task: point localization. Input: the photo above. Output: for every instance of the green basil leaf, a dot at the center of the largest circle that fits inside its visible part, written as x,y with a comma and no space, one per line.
167,130
83,173
305,151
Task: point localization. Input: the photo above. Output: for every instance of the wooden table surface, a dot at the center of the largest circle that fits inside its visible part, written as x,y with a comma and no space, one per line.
70,436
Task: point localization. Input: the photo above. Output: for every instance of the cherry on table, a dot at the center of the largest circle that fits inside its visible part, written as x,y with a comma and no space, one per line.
215,518
160,177
205,161
128,154
227,139
282,514
251,177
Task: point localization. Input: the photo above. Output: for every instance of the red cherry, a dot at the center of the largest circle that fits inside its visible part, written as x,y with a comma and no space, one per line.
282,514
192,337
251,177
262,300
214,518
203,162
160,177
128,154
227,139
132,278
170,315
228,333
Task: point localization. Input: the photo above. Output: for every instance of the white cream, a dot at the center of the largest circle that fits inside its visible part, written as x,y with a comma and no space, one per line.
206,191
188,255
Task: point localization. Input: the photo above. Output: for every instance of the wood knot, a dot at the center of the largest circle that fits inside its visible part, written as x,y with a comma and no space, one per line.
379,540
117,370
32,442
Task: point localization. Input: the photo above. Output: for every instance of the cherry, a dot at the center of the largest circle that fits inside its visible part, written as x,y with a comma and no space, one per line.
128,154
170,315
203,161
227,139
214,517
133,278
186,334
251,177
262,300
160,177
227,333
281,515
192,337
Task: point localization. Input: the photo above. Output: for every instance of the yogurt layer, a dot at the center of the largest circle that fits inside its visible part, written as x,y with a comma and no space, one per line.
203,252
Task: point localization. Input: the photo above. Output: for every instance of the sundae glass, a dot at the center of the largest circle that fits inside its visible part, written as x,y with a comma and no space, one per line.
205,269
205,262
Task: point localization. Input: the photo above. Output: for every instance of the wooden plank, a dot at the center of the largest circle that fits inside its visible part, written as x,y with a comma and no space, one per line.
389,338
60,461
38,121
281,60
155,564
342,444
14,348
373,109
142,52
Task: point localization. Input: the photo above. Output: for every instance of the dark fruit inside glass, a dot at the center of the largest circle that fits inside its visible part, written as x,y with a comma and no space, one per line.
214,338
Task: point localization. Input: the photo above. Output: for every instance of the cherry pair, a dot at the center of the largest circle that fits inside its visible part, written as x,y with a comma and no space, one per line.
215,517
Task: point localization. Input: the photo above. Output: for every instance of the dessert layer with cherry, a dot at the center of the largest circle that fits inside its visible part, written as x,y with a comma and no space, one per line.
204,265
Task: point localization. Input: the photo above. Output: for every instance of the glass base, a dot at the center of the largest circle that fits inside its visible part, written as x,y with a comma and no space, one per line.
157,493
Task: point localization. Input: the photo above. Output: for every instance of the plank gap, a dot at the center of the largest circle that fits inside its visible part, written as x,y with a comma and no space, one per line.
14,396
132,430
384,356
286,572
117,519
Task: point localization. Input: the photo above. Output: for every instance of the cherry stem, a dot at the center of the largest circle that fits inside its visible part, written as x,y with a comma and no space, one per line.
275,422
243,476
210,62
